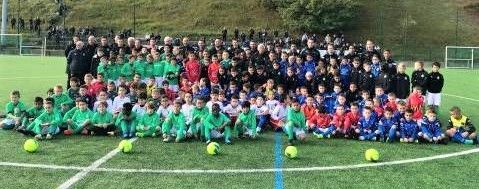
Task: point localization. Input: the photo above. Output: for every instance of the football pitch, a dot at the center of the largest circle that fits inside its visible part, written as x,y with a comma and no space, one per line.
94,162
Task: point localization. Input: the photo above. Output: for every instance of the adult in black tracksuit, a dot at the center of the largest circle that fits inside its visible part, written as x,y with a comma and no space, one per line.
310,49
69,48
77,62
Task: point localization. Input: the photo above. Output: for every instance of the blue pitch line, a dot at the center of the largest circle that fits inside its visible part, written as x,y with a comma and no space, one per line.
278,161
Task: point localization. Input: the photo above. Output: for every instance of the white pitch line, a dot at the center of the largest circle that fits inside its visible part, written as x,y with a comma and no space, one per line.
471,99
223,171
92,167
300,169
43,166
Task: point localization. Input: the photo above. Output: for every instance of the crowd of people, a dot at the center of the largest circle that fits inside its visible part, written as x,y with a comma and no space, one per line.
185,91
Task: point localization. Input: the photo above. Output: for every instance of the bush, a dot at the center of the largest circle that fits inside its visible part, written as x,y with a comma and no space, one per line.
317,15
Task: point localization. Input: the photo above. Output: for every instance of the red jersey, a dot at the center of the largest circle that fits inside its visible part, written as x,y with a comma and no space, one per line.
170,94
213,69
193,70
339,121
96,87
379,111
391,104
308,111
416,102
185,87
352,119
320,120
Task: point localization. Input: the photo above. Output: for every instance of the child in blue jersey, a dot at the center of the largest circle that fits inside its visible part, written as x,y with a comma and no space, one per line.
367,127
399,113
408,128
331,99
364,97
379,92
431,127
387,126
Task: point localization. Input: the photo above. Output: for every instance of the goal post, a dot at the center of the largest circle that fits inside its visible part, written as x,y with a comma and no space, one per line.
11,43
461,57
18,44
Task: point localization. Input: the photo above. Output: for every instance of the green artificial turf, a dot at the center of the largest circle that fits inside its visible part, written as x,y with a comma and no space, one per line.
34,75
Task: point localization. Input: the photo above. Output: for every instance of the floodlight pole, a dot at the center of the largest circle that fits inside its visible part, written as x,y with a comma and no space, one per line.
4,20
18,17
134,19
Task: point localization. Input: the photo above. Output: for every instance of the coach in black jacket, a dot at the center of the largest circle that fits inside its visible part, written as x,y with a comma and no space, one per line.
77,62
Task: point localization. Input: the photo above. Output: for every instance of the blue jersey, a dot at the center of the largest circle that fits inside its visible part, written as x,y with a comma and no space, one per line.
432,127
330,101
309,66
204,92
283,66
383,99
386,124
301,99
376,69
398,117
361,105
367,124
408,128
344,70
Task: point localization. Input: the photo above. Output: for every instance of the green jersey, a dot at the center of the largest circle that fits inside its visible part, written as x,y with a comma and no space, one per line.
158,68
211,121
226,64
121,118
199,114
126,70
81,116
148,70
62,99
34,112
248,119
102,118
177,120
139,68
15,110
102,69
175,69
69,114
150,120
113,71
297,118
53,118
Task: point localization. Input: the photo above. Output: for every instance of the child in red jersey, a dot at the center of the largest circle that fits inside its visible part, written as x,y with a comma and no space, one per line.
416,103
352,119
319,123
192,68
309,108
392,102
378,108
213,69
339,123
